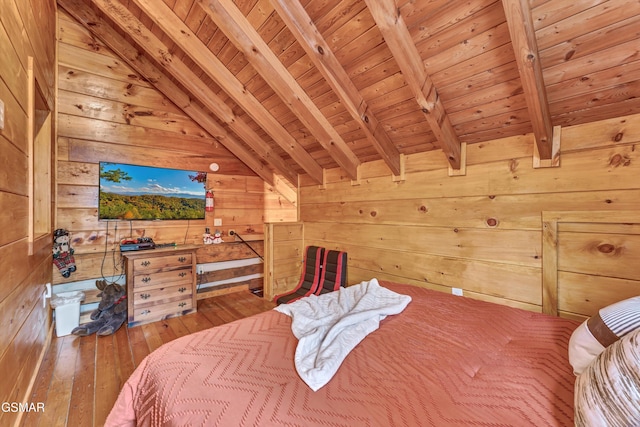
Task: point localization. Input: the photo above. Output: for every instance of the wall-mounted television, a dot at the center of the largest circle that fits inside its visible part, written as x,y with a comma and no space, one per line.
130,192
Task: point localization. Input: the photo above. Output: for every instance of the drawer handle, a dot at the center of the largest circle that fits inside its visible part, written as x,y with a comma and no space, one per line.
182,274
182,259
182,304
145,263
146,279
145,296
145,312
182,290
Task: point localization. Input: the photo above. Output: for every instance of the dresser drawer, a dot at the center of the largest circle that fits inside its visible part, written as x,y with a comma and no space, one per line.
158,263
161,283
161,293
173,277
162,311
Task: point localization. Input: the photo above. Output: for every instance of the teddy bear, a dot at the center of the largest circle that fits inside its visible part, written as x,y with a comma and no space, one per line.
110,314
63,253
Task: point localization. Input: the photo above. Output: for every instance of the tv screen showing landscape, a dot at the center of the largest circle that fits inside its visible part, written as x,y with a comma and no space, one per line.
131,192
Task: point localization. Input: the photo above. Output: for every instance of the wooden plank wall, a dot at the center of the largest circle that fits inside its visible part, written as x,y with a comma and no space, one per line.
108,113
237,267
27,29
480,232
284,253
590,260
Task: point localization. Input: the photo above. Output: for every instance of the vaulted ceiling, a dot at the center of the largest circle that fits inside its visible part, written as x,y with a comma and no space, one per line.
297,86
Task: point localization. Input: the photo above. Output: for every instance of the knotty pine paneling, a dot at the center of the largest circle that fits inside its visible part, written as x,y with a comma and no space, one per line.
616,169
284,255
482,232
15,126
27,29
107,112
587,293
519,212
600,254
519,247
229,251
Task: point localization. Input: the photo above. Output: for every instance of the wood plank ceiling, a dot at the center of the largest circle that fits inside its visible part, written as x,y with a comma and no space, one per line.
297,86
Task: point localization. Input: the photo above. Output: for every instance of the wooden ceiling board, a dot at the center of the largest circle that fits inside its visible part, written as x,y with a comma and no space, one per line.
195,15
495,127
568,90
594,113
484,80
454,20
342,12
363,46
619,33
549,12
589,51
482,21
586,21
422,13
468,49
378,64
488,60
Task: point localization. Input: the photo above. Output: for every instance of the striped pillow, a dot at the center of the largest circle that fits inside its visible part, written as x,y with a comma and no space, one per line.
607,393
600,331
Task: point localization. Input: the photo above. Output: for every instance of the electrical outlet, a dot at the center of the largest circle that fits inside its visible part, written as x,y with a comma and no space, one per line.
217,222
456,291
232,232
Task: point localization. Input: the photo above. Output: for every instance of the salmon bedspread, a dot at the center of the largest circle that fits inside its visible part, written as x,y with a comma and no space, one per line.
443,361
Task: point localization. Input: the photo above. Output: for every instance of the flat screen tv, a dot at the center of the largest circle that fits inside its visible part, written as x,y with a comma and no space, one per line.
130,192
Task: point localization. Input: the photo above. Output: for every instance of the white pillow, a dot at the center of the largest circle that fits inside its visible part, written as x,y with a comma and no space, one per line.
583,348
600,331
607,393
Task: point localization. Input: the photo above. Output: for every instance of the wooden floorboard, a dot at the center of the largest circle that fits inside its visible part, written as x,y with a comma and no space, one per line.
80,377
82,398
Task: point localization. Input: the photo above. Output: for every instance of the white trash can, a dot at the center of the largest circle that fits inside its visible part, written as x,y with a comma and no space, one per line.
67,306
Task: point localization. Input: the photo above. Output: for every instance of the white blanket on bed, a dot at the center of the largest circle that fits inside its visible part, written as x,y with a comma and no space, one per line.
329,326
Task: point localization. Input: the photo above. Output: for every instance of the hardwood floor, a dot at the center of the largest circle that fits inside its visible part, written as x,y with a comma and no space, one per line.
80,377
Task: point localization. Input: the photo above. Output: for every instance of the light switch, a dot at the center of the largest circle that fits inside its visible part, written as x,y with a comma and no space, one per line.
217,222
1,114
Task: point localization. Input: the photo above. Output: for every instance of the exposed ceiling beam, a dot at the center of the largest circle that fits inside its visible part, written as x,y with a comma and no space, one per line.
305,31
197,89
130,54
396,35
246,39
183,37
523,39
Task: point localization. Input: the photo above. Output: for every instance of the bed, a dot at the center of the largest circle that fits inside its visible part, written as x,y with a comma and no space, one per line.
443,361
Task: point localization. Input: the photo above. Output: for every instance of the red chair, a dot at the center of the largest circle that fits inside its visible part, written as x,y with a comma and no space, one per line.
334,272
310,278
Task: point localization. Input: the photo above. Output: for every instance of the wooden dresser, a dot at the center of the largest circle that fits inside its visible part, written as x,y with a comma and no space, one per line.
161,283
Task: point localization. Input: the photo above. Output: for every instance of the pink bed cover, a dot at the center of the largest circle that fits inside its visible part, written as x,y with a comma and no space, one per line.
444,361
